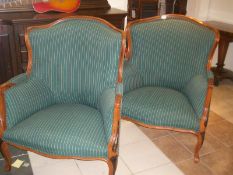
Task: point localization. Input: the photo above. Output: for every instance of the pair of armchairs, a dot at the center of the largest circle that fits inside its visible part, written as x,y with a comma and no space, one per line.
68,103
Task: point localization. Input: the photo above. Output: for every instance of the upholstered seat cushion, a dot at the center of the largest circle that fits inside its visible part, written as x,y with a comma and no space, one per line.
62,129
160,107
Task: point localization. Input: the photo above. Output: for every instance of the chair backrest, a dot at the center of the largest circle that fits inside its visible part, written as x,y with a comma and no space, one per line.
169,50
76,57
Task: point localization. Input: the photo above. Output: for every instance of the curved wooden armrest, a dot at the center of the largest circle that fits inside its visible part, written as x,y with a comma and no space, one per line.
3,88
114,140
204,117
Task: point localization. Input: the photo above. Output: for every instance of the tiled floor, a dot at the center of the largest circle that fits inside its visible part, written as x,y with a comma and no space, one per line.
160,153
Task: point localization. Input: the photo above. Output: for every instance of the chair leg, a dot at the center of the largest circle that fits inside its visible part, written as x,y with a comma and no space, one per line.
200,140
6,154
113,165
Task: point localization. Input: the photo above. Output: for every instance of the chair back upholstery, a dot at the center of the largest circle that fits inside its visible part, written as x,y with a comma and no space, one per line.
77,58
169,51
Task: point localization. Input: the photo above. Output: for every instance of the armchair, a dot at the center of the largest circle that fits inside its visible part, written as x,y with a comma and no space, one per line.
167,78
67,105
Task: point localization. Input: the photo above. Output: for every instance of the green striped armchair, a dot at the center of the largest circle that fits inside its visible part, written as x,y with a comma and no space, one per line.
68,103
167,77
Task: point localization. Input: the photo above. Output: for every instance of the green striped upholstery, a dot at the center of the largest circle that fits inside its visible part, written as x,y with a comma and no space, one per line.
81,61
65,107
168,53
196,91
64,130
131,77
21,78
25,99
210,75
161,107
168,67
106,107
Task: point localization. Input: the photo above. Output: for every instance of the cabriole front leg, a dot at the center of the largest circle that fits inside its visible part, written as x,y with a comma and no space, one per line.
113,165
200,140
6,155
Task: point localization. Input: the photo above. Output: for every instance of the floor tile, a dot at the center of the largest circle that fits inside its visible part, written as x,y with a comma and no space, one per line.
101,168
64,167
168,169
130,133
153,133
214,118
38,161
223,131
167,144
142,155
221,162
210,145
188,167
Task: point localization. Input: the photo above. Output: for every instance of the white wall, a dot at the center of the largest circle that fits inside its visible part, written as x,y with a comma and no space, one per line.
120,4
219,10
198,8
222,10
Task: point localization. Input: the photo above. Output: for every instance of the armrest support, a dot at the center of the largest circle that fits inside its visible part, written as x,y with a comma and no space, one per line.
4,87
196,91
107,107
131,77
21,78
24,99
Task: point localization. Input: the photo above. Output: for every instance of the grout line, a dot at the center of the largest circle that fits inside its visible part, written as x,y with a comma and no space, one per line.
164,164
78,166
131,173
211,170
182,144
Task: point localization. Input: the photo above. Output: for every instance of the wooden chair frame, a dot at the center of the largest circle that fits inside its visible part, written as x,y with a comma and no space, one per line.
114,139
204,119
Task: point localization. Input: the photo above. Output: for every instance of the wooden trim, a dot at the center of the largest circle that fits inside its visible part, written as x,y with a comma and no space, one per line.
56,156
158,127
4,87
114,139
204,118
30,29
169,16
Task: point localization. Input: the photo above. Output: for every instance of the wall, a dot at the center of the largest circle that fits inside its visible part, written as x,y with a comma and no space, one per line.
120,4
220,10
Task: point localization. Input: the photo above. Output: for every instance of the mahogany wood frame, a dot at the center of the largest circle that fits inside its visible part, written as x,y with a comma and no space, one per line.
204,118
114,139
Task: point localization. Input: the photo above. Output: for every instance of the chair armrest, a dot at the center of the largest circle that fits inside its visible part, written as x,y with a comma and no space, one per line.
196,91
106,107
210,75
131,77
24,99
21,78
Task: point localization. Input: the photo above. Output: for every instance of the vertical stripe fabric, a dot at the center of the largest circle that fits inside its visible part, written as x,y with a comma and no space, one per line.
168,53
64,130
165,80
66,105
79,63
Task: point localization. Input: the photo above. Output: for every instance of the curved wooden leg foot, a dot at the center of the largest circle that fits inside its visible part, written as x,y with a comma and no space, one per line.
6,154
113,165
200,140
